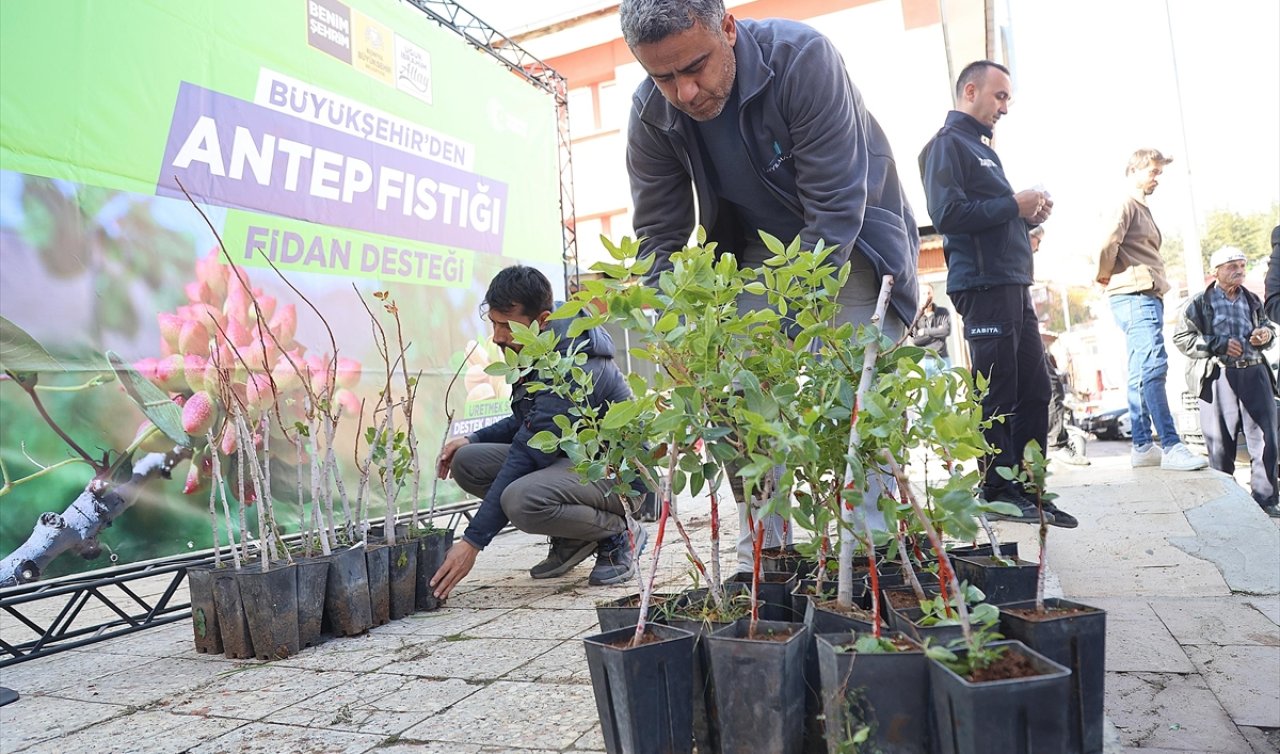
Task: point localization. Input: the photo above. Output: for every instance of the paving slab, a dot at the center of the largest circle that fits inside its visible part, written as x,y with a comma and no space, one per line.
255,691
453,620
567,663
428,747
524,623
1246,680
35,718
267,738
143,732
161,679
379,703
74,668
1268,606
498,596
1262,741
1234,534
1216,620
512,714
1137,640
1170,711
357,654
472,659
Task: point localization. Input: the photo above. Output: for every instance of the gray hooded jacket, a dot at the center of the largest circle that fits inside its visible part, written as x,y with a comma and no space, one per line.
812,143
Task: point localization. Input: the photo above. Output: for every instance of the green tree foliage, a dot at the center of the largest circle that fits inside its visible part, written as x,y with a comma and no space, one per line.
1249,233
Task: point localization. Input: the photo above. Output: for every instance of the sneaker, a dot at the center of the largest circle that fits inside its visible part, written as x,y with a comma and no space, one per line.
1069,455
1180,458
1272,510
1060,517
1148,456
615,558
1027,511
563,555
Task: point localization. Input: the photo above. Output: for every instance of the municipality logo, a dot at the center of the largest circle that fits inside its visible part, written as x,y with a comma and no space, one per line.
986,162
413,69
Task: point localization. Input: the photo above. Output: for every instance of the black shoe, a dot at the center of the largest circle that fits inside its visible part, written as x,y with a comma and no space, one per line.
1027,512
616,559
1060,517
564,555
1272,510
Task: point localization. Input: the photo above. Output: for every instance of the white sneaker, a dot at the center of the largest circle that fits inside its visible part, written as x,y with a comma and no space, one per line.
1180,458
1148,457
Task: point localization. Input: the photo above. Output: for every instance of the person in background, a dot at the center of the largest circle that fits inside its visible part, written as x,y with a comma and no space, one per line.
539,493
1132,271
931,330
984,226
750,126
1222,332
1272,301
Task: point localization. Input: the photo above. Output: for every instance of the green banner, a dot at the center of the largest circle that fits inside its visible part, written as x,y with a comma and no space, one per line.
353,160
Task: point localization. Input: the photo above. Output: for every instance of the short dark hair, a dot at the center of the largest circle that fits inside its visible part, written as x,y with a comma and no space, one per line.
976,72
646,21
519,286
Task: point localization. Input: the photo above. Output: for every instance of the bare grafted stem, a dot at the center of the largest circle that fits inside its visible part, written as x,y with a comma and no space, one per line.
844,594
646,592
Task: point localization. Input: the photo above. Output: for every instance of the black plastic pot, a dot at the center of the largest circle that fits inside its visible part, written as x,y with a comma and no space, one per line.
643,694
1001,584
765,712
204,613
347,610
787,560
908,622
774,594
313,576
1007,549
378,562
236,642
432,547
1077,641
887,691
823,620
402,558
625,611
806,590
271,608
1014,715
706,721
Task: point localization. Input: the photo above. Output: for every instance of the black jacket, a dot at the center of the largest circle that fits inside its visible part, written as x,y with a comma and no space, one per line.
1196,340
931,330
971,203
1273,278
532,413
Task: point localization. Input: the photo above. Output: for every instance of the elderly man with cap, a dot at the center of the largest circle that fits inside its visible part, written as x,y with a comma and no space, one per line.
1131,269
1223,333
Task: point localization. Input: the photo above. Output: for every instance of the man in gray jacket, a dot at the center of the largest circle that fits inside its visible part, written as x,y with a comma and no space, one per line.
748,126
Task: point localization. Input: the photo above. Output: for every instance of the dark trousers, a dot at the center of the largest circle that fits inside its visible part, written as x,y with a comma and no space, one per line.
1057,407
1243,400
1004,345
551,501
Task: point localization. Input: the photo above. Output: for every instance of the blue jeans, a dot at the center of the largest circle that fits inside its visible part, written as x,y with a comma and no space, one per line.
1142,319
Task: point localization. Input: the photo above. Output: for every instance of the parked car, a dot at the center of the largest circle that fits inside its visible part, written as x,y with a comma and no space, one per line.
1112,424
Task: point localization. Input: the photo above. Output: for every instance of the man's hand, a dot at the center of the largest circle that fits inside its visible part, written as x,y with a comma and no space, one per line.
1260,337
446,456
1234,349
458,562
1030,203
1045,210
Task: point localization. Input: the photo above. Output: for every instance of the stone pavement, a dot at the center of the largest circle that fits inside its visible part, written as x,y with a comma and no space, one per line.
1186,565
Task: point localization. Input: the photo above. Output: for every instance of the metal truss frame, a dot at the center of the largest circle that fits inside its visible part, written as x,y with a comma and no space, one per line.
502,48
115,588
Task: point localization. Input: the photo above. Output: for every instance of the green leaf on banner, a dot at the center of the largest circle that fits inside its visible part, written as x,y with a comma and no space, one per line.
155,404
22,354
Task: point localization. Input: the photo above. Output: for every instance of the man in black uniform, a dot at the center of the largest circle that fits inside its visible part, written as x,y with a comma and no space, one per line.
984,227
